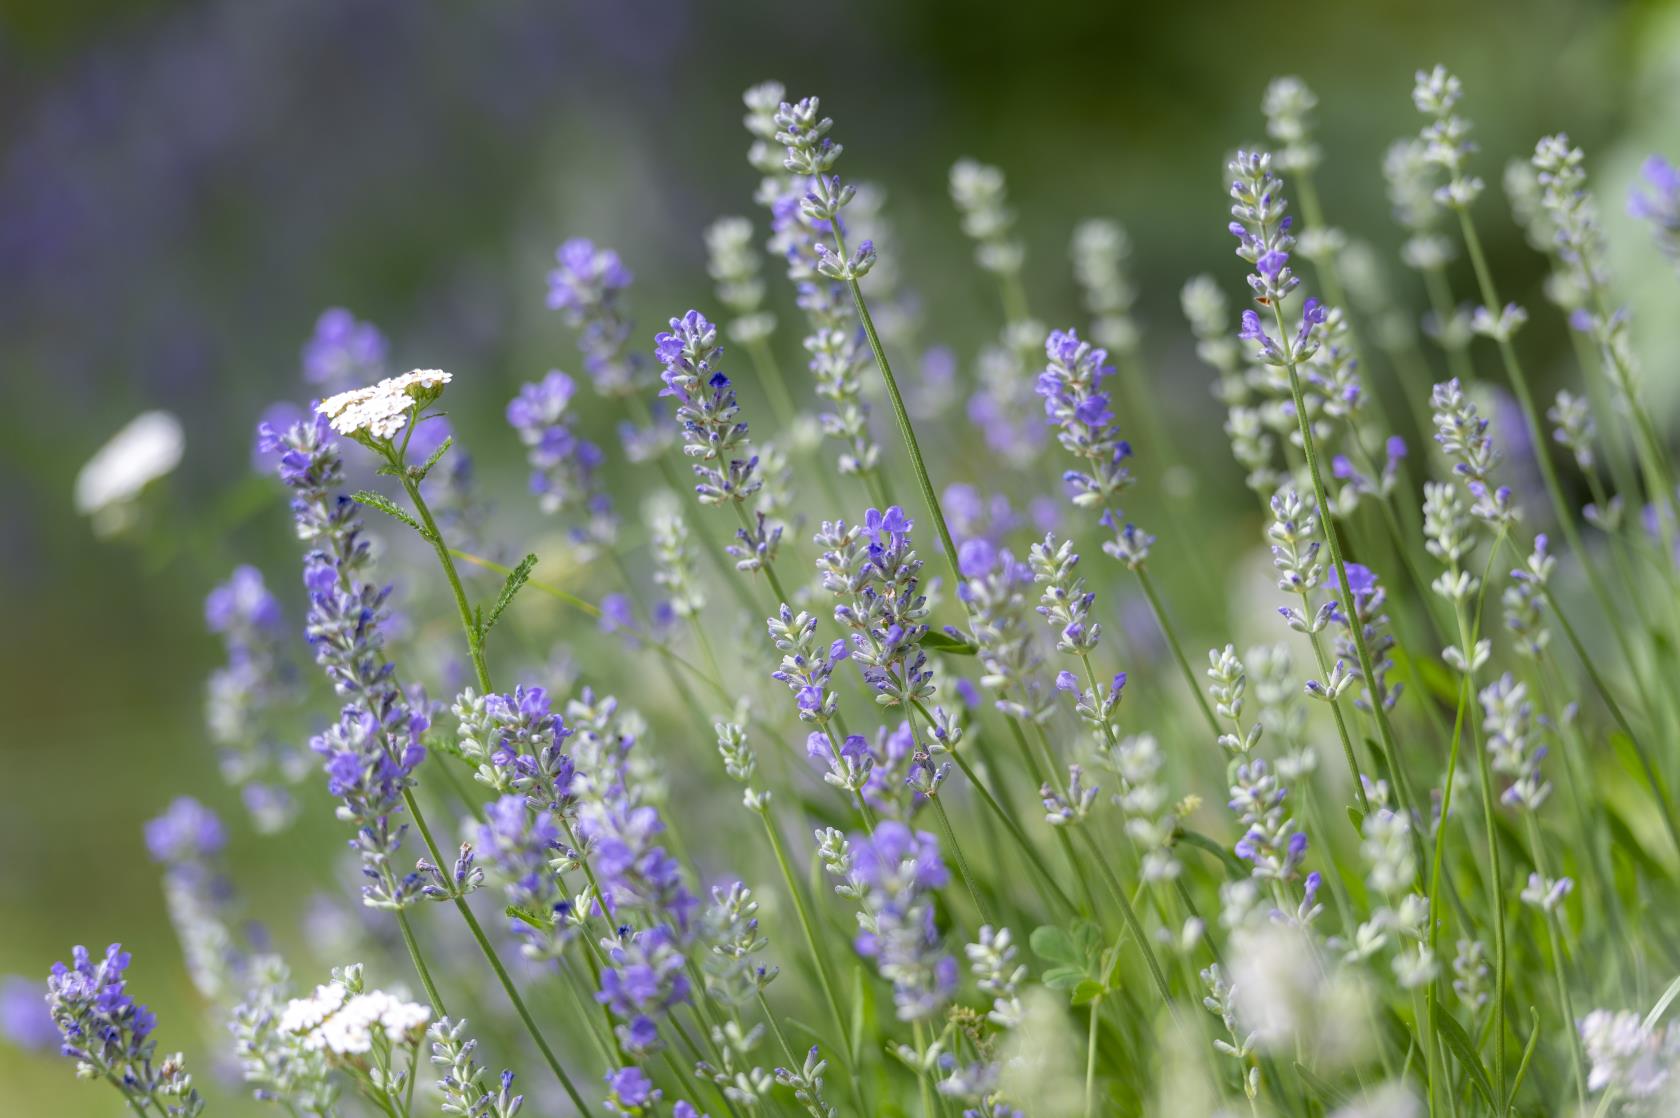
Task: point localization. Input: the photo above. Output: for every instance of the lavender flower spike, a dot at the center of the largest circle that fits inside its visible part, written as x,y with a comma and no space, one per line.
109,1034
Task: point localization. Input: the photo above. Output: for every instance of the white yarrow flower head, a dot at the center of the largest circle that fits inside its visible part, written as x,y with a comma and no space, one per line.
380,411
147,448
343,1023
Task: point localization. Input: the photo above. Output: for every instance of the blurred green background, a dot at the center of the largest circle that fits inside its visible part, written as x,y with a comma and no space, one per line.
187,184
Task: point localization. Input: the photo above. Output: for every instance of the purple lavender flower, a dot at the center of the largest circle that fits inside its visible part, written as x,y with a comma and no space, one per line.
643,982
24,1020
874,575
587,287
188,831
564,466
1659,204
898,870
242,696
631,1093
1073,400
343,353
635,872
517,845
370,753
109,1035
1368,600
713,434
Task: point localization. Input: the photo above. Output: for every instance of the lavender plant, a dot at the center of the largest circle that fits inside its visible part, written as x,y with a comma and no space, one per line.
965,862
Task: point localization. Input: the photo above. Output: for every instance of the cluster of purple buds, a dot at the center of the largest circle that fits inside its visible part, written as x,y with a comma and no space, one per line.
1524,598
994,592
109,1035
343,353
734,973
520,846
370,752
1263,239
1064,601
835,341
1368,600
898,870
1071,385
811,156
187,841
518,742
874,575
713,434
587,286
1271,842
1658,204
635,872
644,980
1463,436
806,668
465,1084
564,466
242,696
1508,719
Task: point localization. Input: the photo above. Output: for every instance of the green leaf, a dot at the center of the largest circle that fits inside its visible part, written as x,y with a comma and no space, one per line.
516,578
1357,818
524,917
1453,1033
1087,992
1054,945
1064,978
935,641
389,507
1528,1049
1327,1094
433,460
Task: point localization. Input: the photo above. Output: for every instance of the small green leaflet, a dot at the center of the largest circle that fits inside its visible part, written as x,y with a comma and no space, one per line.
385,505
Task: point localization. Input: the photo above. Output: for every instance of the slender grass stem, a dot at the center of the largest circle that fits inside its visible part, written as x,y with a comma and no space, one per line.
807,925
1160,610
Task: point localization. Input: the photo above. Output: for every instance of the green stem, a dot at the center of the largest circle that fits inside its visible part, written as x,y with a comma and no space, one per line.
1129,913
902,415
1161,619
807,925
1356,630
420,967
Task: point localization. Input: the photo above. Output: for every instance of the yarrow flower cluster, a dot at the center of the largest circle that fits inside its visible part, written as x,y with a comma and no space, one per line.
380,411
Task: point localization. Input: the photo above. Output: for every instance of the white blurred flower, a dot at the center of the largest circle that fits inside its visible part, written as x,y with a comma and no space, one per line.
344,1024
143,451
381,409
